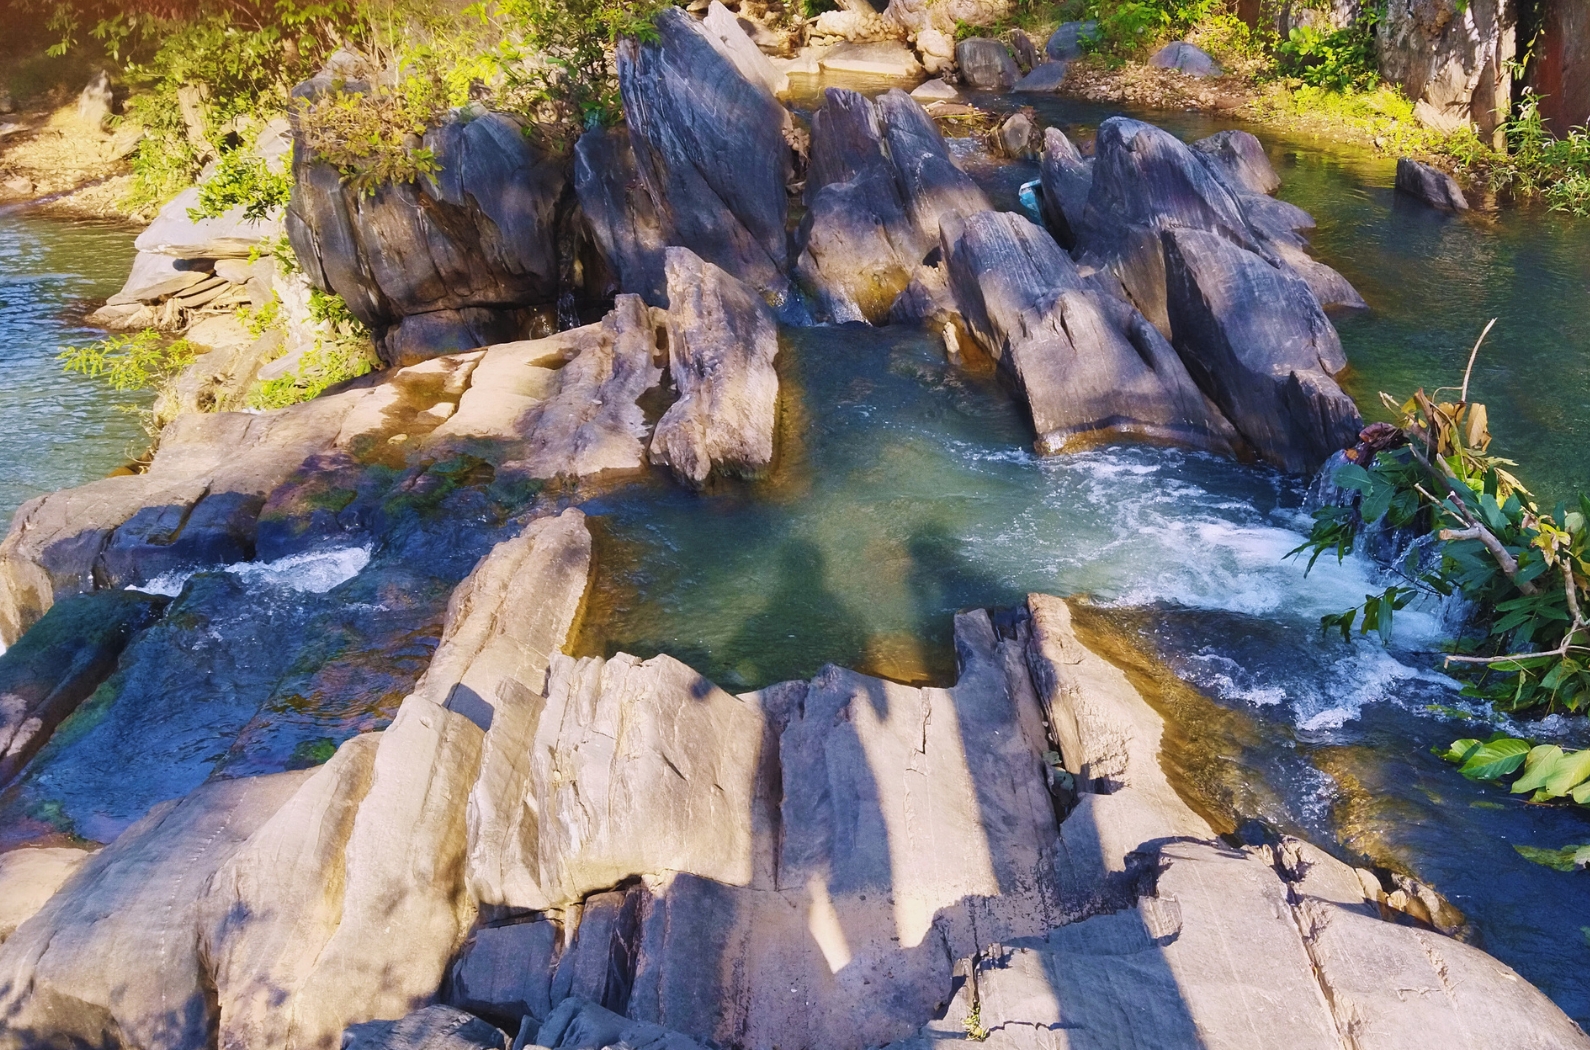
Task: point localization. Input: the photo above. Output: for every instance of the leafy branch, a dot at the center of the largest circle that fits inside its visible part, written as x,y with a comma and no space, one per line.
1524,570
1549,774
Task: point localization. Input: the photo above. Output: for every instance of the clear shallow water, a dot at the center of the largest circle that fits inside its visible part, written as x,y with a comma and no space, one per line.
56,430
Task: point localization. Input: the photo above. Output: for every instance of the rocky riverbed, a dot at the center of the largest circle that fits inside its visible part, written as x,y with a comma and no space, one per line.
306,749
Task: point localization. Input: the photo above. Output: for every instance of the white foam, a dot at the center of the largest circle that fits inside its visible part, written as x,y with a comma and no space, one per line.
315,572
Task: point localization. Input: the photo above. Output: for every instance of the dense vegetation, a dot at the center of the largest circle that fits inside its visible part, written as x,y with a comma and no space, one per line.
1525,571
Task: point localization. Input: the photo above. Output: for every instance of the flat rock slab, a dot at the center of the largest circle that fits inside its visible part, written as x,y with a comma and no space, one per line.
1430,185
155,276
30,877
879,58
174,232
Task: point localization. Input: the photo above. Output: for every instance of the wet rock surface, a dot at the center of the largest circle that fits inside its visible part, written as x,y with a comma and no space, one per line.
1429,185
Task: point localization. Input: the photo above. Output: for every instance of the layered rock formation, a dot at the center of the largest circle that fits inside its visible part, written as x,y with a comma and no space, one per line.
1451,58
711,150
1221,270
722,342
1090,365
879,181
542,408
450,262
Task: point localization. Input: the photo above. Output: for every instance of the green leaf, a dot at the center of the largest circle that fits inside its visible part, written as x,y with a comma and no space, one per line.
1581,794
1495,759
1352,476
1460,750
1537,767
1565,859
1567,773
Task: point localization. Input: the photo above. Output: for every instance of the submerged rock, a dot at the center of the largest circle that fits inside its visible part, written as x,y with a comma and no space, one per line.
444,264
57,664
879,181
1430,185
722,341
1089,365
712,151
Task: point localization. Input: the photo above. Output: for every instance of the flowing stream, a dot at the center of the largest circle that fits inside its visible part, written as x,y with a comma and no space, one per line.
57,431
906,490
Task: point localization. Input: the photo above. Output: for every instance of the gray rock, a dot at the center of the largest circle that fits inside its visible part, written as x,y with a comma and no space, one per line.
1026,53
936,90
433,1028
230,236
442,265
740,49
986,64
1451,61
1430,185
722,341
1016,136
879,179
113,958
712,152
599,965
1187,58
1254,336
1239,161
1066,42
1067,179
30,877
504,972
1045,78
94,101
1088,364
580,1025
155,276
59,663
620,215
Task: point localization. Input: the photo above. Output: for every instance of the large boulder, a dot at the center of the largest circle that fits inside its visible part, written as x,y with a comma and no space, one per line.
381,838
1089,364
1185,58
879,180
1068,40
230,236
1066,178
986,65
711,148
1256,339
1429,185
1452,59
722,342
29,878
620,215
446,263
113,959
433,1028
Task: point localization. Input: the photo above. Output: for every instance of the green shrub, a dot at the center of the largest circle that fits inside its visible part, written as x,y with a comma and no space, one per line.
1129,28
143,361
1341,60
242,179
1539,163
343,353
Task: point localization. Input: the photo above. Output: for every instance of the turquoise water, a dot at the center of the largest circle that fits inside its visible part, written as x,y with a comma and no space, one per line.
56,430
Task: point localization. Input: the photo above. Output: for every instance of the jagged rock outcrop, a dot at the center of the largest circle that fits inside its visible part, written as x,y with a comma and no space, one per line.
1258,295
1181,940
447,263
1255,337
1089,364
1067,179
1430,185
879,181
722,342
620,215
712,152
379,839
57,664
1451,58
